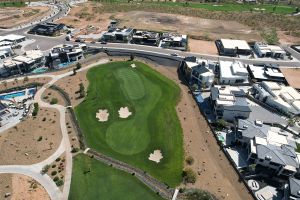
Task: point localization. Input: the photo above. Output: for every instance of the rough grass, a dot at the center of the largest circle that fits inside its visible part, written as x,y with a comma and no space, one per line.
105,182
12,4
256,20
153,125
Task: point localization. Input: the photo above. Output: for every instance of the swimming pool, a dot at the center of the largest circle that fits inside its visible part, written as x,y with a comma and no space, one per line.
31,91
63,65
40,70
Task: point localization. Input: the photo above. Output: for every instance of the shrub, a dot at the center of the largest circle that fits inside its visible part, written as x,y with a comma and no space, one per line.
53,166
45,169
59,182
78,65
55,178
40,138
189,176
74,150
196,194
35,109
189,160
53,101
53,173
57,159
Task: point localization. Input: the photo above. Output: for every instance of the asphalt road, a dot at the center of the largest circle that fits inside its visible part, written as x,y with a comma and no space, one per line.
45,43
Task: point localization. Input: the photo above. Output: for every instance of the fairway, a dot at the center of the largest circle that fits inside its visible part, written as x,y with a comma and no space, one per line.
153,125
105,183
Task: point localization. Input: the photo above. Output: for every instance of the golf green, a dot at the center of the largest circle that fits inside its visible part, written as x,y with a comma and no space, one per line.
92,179
153,124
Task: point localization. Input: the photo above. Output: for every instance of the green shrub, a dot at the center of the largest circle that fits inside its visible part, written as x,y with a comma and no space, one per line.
189,160
35,109
55,179
59,182
53,173
40,138
53,101
45,169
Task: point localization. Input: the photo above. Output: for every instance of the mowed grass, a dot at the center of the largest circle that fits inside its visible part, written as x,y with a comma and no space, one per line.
105,182
12,4
153,125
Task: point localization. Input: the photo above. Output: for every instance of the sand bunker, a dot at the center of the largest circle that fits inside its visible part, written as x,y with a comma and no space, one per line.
133,65
156,156
124,112
102,115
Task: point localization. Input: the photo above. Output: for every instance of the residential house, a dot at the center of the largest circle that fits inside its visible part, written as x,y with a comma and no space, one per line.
265,73
229,47
118,35
67,53
197,71
270,147
23,63
229,103
233,73
284,98
12,38
264,50
146,38
293,189
5,52
174,41
47,29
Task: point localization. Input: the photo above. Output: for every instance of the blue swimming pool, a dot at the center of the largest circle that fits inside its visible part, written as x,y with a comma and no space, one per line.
63,65
40,70
16,94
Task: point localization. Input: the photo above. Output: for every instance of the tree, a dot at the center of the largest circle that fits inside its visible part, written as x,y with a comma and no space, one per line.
81,91
189,160
131,57
78,65
196,194
74,71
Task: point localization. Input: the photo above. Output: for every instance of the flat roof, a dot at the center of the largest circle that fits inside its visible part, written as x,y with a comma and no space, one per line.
233,44
235,70
11,37
265,73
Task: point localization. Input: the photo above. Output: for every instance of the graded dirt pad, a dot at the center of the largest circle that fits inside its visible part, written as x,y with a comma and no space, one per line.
16,83
83,15
5,185
285,38
215,170
10,17
214,29
201,46
31,141
24,187
292,76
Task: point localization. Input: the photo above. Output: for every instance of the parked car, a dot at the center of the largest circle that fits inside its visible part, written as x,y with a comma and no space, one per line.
174,54
103,42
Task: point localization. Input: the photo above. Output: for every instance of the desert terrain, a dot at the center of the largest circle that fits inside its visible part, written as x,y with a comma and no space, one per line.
21,187
10,17
32,140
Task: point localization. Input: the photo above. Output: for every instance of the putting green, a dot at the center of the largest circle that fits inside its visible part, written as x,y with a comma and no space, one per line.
153,124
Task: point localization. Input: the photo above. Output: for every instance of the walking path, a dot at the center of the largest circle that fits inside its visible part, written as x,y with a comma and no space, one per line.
34,171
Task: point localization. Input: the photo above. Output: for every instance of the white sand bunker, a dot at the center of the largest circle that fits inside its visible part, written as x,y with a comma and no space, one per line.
133,65
102,115
124,112
156,156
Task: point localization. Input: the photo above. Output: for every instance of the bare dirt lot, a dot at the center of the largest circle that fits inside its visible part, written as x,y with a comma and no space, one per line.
292,76
87,14
216,173
11,17
32,140
201,46
21,187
